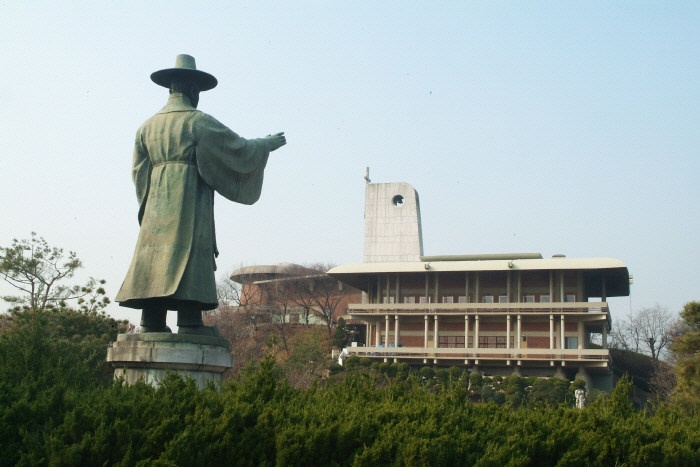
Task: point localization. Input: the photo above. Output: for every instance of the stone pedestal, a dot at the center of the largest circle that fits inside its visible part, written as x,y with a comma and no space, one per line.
149,356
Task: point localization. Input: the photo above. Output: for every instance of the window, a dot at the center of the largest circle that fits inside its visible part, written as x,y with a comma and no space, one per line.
570,298
571,342
409,299
493,342
503,299
451,342
448,300
545,299
487,298
422,300
388,300
463,299
528,299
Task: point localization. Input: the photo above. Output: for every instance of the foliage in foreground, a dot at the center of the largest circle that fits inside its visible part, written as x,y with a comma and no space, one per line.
258,419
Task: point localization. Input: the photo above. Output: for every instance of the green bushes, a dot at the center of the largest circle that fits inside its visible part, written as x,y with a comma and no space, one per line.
258,419
55,411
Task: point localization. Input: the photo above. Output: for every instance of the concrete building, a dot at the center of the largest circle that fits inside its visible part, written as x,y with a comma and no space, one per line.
392,223
497,314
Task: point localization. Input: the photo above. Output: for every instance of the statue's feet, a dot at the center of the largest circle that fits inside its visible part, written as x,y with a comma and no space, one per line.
155,329
212,331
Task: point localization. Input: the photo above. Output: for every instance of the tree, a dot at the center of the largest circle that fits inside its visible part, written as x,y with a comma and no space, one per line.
35,268
647,331
279,296
340,334
321,294
308,360
687,347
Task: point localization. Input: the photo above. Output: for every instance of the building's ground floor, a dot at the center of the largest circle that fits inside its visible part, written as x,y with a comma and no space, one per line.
491,342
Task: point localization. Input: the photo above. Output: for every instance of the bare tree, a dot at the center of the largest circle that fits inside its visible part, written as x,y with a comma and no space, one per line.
321,294
279,295
648,330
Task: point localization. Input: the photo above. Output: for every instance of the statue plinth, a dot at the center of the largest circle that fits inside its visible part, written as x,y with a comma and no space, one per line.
149,356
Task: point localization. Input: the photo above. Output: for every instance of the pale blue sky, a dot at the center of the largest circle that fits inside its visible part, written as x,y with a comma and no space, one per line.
552,127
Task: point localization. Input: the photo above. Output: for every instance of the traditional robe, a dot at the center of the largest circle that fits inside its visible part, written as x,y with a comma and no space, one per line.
181,157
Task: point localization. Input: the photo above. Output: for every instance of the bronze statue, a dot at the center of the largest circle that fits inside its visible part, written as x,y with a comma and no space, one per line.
181,157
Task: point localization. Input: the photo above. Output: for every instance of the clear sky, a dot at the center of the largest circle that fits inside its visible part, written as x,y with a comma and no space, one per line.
551,127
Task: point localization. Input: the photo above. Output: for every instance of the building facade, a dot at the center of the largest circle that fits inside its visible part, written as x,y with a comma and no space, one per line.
495,314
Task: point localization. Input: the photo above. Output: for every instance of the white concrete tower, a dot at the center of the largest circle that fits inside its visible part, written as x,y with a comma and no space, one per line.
392,223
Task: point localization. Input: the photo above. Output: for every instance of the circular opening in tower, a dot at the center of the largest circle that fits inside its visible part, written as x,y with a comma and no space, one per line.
397,200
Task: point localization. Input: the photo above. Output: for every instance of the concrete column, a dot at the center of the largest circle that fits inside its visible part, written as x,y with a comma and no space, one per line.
476,332
466,331
425,335
368,330
466,286
386,331
396,330
398,289
435,333
427,284
518,336
476,288
520,294
605,335
563,333
508,286
388,293
580,335
579,287
551,286
377,333
561,286
552,340
508,332
583,374
437,289
604,292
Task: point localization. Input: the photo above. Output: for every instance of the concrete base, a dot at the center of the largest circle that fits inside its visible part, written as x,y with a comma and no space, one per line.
149,356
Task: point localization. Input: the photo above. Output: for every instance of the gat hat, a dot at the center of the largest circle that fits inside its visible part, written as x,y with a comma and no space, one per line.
185,67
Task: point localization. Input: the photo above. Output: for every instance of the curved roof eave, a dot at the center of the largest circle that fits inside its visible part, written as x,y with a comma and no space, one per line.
468,266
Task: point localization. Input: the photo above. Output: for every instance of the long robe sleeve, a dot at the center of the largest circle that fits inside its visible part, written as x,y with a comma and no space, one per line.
231,165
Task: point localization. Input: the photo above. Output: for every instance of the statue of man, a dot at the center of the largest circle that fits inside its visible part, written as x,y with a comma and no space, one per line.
181,157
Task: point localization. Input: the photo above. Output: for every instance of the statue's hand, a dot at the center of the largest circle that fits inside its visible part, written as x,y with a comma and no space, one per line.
276,141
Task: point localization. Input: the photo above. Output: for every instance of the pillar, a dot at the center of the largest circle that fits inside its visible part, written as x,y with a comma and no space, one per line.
508,332
580,335
386,331
563,333
552,339
476,331
425,335
605,335
435,333
466,331
519,331
377,334
508,286
396,330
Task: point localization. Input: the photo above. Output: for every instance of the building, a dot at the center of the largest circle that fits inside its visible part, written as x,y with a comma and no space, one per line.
292,294
496,314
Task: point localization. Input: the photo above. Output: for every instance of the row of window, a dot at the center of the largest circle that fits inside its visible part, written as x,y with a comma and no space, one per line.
488,342
484,299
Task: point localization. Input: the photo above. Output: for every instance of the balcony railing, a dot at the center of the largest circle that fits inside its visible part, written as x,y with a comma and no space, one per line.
482,353
474,308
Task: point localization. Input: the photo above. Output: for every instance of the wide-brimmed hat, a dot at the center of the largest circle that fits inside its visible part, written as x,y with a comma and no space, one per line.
186,68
